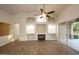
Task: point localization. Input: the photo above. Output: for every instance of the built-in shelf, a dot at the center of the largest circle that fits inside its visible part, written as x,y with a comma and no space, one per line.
30,36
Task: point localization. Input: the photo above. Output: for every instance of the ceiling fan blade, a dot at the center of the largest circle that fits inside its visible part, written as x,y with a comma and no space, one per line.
50,12
41,10
47,16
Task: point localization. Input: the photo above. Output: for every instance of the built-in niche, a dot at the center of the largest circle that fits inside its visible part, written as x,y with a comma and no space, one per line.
4,28
41,28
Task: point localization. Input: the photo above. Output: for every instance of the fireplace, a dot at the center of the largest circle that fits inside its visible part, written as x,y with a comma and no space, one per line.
41,36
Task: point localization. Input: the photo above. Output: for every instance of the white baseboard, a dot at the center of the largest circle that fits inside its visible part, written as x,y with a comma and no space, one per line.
4,43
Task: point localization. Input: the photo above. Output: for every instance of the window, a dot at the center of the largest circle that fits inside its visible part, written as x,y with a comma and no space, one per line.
75,30
30,28
51,28
39,19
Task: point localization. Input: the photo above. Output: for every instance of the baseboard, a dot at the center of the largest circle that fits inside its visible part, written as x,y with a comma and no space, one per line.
4,43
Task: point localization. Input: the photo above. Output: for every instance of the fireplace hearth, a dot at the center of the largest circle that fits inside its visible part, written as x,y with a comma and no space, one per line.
41,36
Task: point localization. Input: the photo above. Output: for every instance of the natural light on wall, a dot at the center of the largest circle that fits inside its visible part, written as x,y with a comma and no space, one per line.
52,28
39,19
10,37
30,28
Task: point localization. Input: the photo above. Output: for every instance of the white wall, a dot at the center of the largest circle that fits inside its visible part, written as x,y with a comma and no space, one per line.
21,20
68,14
5,17
62,32
14,30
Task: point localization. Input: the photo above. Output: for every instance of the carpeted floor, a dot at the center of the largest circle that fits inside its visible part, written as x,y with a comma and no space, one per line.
36,48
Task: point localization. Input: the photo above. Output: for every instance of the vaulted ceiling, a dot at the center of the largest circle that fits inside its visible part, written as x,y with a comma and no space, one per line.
28,8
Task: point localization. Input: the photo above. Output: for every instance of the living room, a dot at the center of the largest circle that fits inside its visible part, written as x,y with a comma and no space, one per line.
44,23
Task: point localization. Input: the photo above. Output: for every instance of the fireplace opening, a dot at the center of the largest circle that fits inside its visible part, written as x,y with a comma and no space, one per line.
41,36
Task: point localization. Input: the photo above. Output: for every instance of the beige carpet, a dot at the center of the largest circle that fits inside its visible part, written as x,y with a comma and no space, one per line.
36,48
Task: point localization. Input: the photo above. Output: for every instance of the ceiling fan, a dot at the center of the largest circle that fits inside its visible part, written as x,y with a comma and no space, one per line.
44,13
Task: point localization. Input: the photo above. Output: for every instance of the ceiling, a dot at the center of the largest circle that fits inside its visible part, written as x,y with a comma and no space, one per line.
28,8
